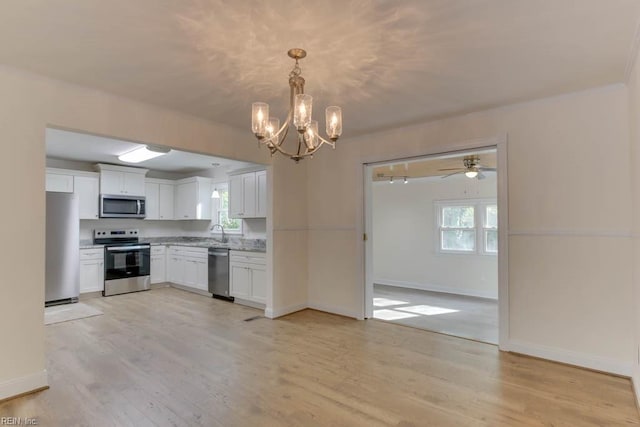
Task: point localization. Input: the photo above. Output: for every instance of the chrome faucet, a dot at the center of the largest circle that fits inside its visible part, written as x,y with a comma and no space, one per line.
224,238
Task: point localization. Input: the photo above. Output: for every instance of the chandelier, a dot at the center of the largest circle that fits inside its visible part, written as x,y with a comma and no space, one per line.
270,133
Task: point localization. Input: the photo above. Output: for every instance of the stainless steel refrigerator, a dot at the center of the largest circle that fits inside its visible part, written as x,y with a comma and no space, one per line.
62,271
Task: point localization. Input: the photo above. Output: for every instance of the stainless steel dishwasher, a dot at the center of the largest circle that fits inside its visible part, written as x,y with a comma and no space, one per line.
219,273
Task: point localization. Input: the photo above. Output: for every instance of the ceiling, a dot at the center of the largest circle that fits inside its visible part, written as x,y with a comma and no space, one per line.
96,149
431,167
387,63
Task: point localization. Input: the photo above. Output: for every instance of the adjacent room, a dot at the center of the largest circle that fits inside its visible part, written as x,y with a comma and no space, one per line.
435,244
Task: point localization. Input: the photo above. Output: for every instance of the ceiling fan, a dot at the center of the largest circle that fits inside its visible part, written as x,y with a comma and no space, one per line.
472,168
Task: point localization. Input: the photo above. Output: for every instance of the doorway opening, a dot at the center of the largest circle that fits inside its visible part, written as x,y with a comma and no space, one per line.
433,243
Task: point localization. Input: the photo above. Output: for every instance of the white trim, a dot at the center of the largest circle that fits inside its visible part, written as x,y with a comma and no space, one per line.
572,233
363,220
283,311
436,288
25,384
635,384
569,357
335,310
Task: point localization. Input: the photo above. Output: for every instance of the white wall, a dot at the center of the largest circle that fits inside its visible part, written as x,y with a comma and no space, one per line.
634,159
405,237
569,193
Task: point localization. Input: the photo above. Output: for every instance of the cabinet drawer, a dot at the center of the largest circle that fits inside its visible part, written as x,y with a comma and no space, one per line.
188,251
158,250
91,253
250,257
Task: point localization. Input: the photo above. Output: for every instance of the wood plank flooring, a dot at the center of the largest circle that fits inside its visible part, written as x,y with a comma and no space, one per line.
458,315
170,358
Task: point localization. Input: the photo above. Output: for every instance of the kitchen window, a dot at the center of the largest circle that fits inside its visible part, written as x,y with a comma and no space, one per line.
467,226
221,211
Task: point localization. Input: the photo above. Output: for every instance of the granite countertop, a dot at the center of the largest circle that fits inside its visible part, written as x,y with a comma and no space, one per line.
234,243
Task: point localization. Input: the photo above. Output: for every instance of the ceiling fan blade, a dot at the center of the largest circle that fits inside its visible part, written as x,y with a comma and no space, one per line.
451,169
481,175
482,168
451,174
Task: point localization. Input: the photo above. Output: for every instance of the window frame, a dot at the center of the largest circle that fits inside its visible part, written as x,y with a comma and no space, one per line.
221,186
479,225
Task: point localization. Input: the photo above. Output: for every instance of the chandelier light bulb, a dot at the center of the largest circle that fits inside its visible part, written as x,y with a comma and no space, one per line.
302,111
259,117
333,115
311,138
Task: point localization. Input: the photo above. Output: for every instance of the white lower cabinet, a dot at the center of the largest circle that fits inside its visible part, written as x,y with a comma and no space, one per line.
91,270
247,276
158,264
188,266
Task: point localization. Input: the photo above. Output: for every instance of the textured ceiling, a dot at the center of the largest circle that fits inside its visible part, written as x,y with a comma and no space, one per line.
386,62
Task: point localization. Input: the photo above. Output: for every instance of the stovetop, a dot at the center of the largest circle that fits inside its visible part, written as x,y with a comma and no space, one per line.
119,236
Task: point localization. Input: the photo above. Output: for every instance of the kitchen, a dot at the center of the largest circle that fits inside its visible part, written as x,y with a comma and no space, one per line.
186,220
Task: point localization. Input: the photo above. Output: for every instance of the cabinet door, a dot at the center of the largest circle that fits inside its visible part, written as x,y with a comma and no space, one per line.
158,268
59,183
166,192
259,284
175,269
186,200
190,273
239,281
249,194
111,182
152,205
202,274
236,197
87,187
261,194
91,275
133,184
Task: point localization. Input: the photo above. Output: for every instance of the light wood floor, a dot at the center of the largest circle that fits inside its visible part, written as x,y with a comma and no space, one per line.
168,357
457,315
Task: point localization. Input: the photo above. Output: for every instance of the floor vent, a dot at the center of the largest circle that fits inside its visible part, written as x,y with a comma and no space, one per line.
253,318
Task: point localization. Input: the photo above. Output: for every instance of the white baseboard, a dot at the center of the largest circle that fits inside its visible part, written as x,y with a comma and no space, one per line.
597,363
434,288
335,310
635,383
273,313
25,384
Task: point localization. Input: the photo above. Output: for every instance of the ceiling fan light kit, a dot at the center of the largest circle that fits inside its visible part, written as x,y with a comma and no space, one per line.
270,133
472,168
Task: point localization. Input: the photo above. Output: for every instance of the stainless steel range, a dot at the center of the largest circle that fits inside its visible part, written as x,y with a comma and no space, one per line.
127,262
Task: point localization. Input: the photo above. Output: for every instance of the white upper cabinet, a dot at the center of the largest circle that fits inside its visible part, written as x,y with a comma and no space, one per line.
247,195
193,198
59,182
159,195
121,180
84,184
87,189
166,209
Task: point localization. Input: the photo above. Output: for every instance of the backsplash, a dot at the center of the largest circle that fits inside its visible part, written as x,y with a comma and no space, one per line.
252,228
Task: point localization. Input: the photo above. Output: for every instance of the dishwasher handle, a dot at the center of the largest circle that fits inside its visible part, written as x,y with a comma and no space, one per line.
218,252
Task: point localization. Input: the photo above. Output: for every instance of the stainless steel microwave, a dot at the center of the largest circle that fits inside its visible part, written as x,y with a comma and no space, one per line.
116,206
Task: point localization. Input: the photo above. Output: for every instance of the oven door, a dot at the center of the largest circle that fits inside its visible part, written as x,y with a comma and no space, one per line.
122,262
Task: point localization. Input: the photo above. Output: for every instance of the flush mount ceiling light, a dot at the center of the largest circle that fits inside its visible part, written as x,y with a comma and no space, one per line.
142,153
270,133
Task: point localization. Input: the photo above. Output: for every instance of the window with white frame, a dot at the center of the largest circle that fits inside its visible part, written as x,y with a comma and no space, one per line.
467,226
221,210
